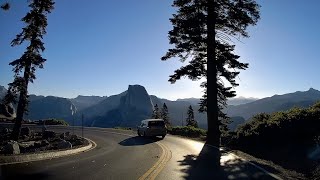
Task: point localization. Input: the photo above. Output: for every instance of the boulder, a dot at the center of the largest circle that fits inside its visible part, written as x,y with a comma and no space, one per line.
26,144
25,137
62,136
25,131
12,148
44,142
78,142
37,144
64,145
74,137
67,136
5,131
44,128
48,134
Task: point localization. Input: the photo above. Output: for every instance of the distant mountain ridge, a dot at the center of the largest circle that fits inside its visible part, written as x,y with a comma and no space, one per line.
275,103
231,101
41,107
131,106
134,104
240,100
82,102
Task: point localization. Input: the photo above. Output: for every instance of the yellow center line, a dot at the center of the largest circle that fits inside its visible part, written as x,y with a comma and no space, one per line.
163,163
154,171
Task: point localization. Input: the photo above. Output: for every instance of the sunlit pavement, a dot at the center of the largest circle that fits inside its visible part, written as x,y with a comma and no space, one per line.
195,160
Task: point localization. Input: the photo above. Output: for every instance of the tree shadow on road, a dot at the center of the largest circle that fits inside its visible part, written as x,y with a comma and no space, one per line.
213,163
139,141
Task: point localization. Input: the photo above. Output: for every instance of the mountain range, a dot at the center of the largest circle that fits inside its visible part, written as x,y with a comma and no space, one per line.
128,108
275,103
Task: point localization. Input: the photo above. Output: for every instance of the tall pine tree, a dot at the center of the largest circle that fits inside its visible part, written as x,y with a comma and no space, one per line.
201,34
165,114
156,113
190,118
31,59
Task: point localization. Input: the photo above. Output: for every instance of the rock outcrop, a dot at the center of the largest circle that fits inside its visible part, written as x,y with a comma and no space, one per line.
134,106
64,145
12,147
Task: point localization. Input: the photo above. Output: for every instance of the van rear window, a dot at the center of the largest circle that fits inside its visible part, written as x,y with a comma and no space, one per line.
156,123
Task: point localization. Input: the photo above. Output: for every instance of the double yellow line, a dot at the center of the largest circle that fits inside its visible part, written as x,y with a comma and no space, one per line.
154,171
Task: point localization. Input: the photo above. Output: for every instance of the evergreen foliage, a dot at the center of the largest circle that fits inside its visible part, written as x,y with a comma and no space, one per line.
165,114
25,67
201,35
292,133
190,118
156,113
188,131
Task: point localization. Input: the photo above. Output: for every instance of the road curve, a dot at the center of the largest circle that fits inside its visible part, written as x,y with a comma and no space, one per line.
116,156
123,155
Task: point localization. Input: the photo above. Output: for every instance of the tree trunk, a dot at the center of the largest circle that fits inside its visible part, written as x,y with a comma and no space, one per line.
213,136
21,104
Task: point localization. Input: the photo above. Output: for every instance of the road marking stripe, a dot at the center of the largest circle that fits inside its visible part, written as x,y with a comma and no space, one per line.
256,166
163,163
155,170
148,173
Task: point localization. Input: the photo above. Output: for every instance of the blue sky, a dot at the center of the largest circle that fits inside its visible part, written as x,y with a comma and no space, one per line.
100,47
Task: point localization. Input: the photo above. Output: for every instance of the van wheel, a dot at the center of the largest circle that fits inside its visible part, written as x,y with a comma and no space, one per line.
139,133
163,136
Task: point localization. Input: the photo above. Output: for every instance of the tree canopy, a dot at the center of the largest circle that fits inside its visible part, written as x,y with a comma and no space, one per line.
202,35
190,118
165,114
24,68
156,112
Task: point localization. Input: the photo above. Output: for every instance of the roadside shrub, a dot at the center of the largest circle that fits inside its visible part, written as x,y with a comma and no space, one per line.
55,122
280,136
188,131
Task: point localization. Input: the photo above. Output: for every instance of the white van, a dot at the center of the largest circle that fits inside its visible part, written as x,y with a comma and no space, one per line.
152,127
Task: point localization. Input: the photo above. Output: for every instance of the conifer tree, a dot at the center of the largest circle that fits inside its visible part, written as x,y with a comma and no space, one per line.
156,113
25,67
190,118
201,34
165,114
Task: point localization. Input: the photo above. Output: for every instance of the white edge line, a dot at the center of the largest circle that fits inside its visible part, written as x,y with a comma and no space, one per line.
256,166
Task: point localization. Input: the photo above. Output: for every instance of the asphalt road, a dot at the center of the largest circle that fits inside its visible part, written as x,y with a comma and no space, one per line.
123,155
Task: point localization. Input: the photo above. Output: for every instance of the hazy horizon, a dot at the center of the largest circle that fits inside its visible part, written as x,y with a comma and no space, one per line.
171,99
